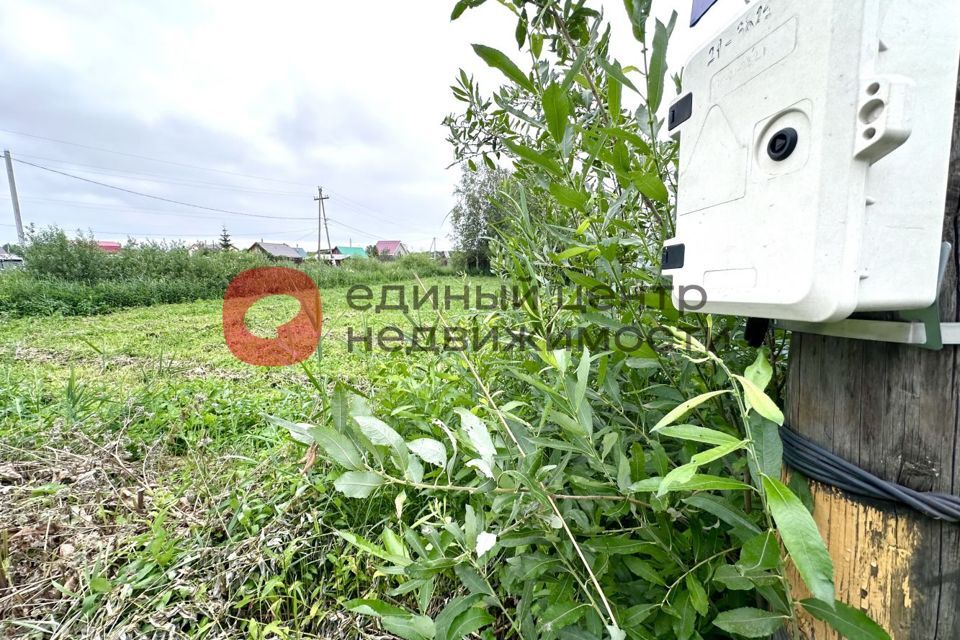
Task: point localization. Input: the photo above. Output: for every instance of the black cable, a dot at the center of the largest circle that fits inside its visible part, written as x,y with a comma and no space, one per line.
814,461
162,199
142,157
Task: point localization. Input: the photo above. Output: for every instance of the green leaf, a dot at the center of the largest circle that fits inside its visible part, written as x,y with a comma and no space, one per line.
462,6
340,408
614,70
544,161
851,623
472,580
675,478
521,32
708,456
478,435
556,109
697,434
651,186
299,431
731,578
470,621
760,372
409,627
453,609
750,622
378,431
375,550
574,69
768,446
338,447
429,450
357,484
657,69
571,253
643,569
559,615
760,552
536,44
801,538
499,60
629,136
393,544
760,401
569,197
685,407
635,615
376,608
638,11
99,584
717,506
698,595
614,98
699,482
617,545
704,482
583,377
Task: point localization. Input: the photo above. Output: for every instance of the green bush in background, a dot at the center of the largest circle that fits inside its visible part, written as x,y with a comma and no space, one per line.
73,276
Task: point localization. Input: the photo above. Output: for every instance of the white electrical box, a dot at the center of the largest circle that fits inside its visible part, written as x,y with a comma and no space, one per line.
814,152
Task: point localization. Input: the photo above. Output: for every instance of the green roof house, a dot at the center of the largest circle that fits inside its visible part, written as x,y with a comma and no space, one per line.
350,252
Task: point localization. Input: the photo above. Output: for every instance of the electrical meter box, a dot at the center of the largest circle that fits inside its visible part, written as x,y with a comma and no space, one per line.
814,152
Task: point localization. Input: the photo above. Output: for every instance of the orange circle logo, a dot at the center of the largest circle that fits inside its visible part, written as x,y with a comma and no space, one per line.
296,340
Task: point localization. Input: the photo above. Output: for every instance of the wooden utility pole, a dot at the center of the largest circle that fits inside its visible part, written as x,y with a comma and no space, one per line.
13,197
322,223
893,410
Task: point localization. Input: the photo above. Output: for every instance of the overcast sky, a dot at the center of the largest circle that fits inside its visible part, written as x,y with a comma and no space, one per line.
263,101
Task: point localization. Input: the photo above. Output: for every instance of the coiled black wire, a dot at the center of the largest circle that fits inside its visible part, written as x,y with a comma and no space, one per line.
815,462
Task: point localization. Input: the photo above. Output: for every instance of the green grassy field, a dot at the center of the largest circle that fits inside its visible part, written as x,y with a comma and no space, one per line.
142,486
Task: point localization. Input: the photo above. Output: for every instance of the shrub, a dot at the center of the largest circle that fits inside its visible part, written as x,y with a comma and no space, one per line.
581,487
75,277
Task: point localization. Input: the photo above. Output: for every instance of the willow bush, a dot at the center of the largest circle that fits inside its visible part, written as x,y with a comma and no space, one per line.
587,486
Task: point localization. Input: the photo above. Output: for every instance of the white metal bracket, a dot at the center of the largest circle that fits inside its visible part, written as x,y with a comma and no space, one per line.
921,327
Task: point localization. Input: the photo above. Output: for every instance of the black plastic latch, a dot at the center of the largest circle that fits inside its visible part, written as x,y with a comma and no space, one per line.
680,112
673,256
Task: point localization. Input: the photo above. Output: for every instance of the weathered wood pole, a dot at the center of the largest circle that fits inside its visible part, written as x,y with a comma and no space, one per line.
894,411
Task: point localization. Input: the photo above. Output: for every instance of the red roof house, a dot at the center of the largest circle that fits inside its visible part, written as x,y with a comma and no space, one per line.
108,246
391,249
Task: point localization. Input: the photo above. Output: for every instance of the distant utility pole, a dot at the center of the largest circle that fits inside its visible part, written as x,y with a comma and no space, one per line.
322,223
13,197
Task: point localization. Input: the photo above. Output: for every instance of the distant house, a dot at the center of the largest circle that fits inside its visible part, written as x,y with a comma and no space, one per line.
277,251
109,246
350,252
390,249
302,252
9,260
338,254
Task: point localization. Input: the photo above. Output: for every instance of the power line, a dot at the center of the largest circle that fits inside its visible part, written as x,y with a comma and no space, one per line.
133,234
119,173
348,201
162,199
156,177
142,157
360,231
